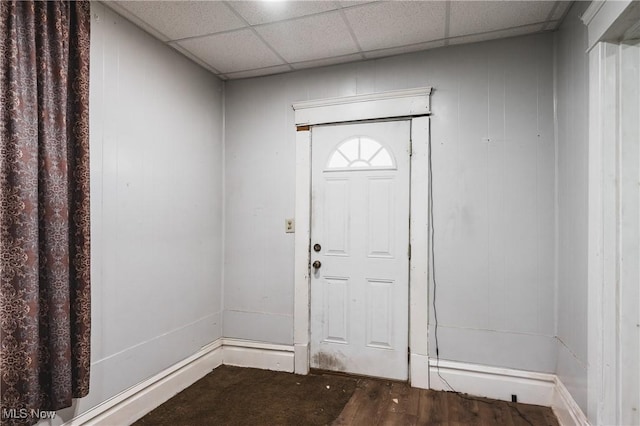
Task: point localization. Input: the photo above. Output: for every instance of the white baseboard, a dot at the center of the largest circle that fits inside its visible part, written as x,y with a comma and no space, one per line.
493,382
500,383
565,407
243,353
135,402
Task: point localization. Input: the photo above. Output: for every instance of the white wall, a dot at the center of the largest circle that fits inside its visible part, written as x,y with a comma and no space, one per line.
573,142
156,207
494,201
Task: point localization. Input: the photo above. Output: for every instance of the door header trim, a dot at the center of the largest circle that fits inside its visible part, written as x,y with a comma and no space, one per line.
396,103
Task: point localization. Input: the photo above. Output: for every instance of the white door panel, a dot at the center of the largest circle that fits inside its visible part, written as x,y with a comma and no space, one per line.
360,219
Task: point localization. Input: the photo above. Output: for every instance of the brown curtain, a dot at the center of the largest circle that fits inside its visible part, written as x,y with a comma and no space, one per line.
44,206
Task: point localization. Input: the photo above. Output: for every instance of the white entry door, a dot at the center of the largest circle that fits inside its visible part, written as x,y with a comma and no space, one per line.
360,248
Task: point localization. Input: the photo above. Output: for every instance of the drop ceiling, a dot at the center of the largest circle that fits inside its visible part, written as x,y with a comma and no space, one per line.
240,39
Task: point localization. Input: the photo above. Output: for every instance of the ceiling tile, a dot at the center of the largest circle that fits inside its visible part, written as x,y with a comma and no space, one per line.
260,12
380,53
327,61
472,17
181,19
383,25
511,32
259,72
313,37
234,51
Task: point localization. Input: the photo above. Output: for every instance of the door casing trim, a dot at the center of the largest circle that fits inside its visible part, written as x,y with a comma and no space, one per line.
413,104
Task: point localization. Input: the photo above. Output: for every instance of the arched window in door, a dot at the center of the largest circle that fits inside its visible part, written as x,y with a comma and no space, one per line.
360,153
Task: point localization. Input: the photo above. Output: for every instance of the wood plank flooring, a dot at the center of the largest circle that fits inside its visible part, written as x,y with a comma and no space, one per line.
235,396
379,402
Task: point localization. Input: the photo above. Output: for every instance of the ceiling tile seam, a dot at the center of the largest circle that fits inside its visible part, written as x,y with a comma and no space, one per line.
442,40
256,69
369,3
323,59
293,64
353,34
531,24
295,18
550,14
234,75
235,12
447,21
233,30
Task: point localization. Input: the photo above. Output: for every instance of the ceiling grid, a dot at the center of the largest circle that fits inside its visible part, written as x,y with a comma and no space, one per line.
240,39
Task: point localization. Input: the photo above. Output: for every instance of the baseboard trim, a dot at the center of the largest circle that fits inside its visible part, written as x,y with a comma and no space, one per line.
135,402
500,383
492,382
566,408
267,356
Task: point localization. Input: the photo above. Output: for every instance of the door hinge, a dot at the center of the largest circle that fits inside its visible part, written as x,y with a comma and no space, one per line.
409,354
409,251
410,148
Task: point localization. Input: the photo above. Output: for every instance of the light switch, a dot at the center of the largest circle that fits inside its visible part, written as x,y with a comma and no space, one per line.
289,226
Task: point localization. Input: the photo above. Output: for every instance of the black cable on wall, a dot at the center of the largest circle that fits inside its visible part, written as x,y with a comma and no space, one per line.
432,269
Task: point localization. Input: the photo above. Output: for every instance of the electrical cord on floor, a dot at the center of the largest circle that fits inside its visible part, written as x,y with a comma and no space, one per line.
435,310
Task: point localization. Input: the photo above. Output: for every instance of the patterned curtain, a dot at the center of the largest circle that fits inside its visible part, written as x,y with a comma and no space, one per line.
44,207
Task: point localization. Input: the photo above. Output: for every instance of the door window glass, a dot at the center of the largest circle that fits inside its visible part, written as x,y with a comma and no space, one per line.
360,153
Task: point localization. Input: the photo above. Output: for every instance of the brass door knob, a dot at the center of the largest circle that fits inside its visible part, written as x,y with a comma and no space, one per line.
317,264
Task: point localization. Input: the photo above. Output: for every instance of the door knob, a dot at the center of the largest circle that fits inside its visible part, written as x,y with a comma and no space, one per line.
317,264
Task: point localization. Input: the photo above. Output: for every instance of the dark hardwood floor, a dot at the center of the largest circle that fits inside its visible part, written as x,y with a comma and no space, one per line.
378,402
234,396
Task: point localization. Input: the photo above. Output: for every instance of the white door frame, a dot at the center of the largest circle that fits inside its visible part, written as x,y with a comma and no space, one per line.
413,104
608,392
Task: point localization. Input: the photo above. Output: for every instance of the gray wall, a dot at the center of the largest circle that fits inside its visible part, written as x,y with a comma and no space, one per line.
573,143
156,198
494,200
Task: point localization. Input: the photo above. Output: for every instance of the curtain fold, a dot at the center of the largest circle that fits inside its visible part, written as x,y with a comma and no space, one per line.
44,206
